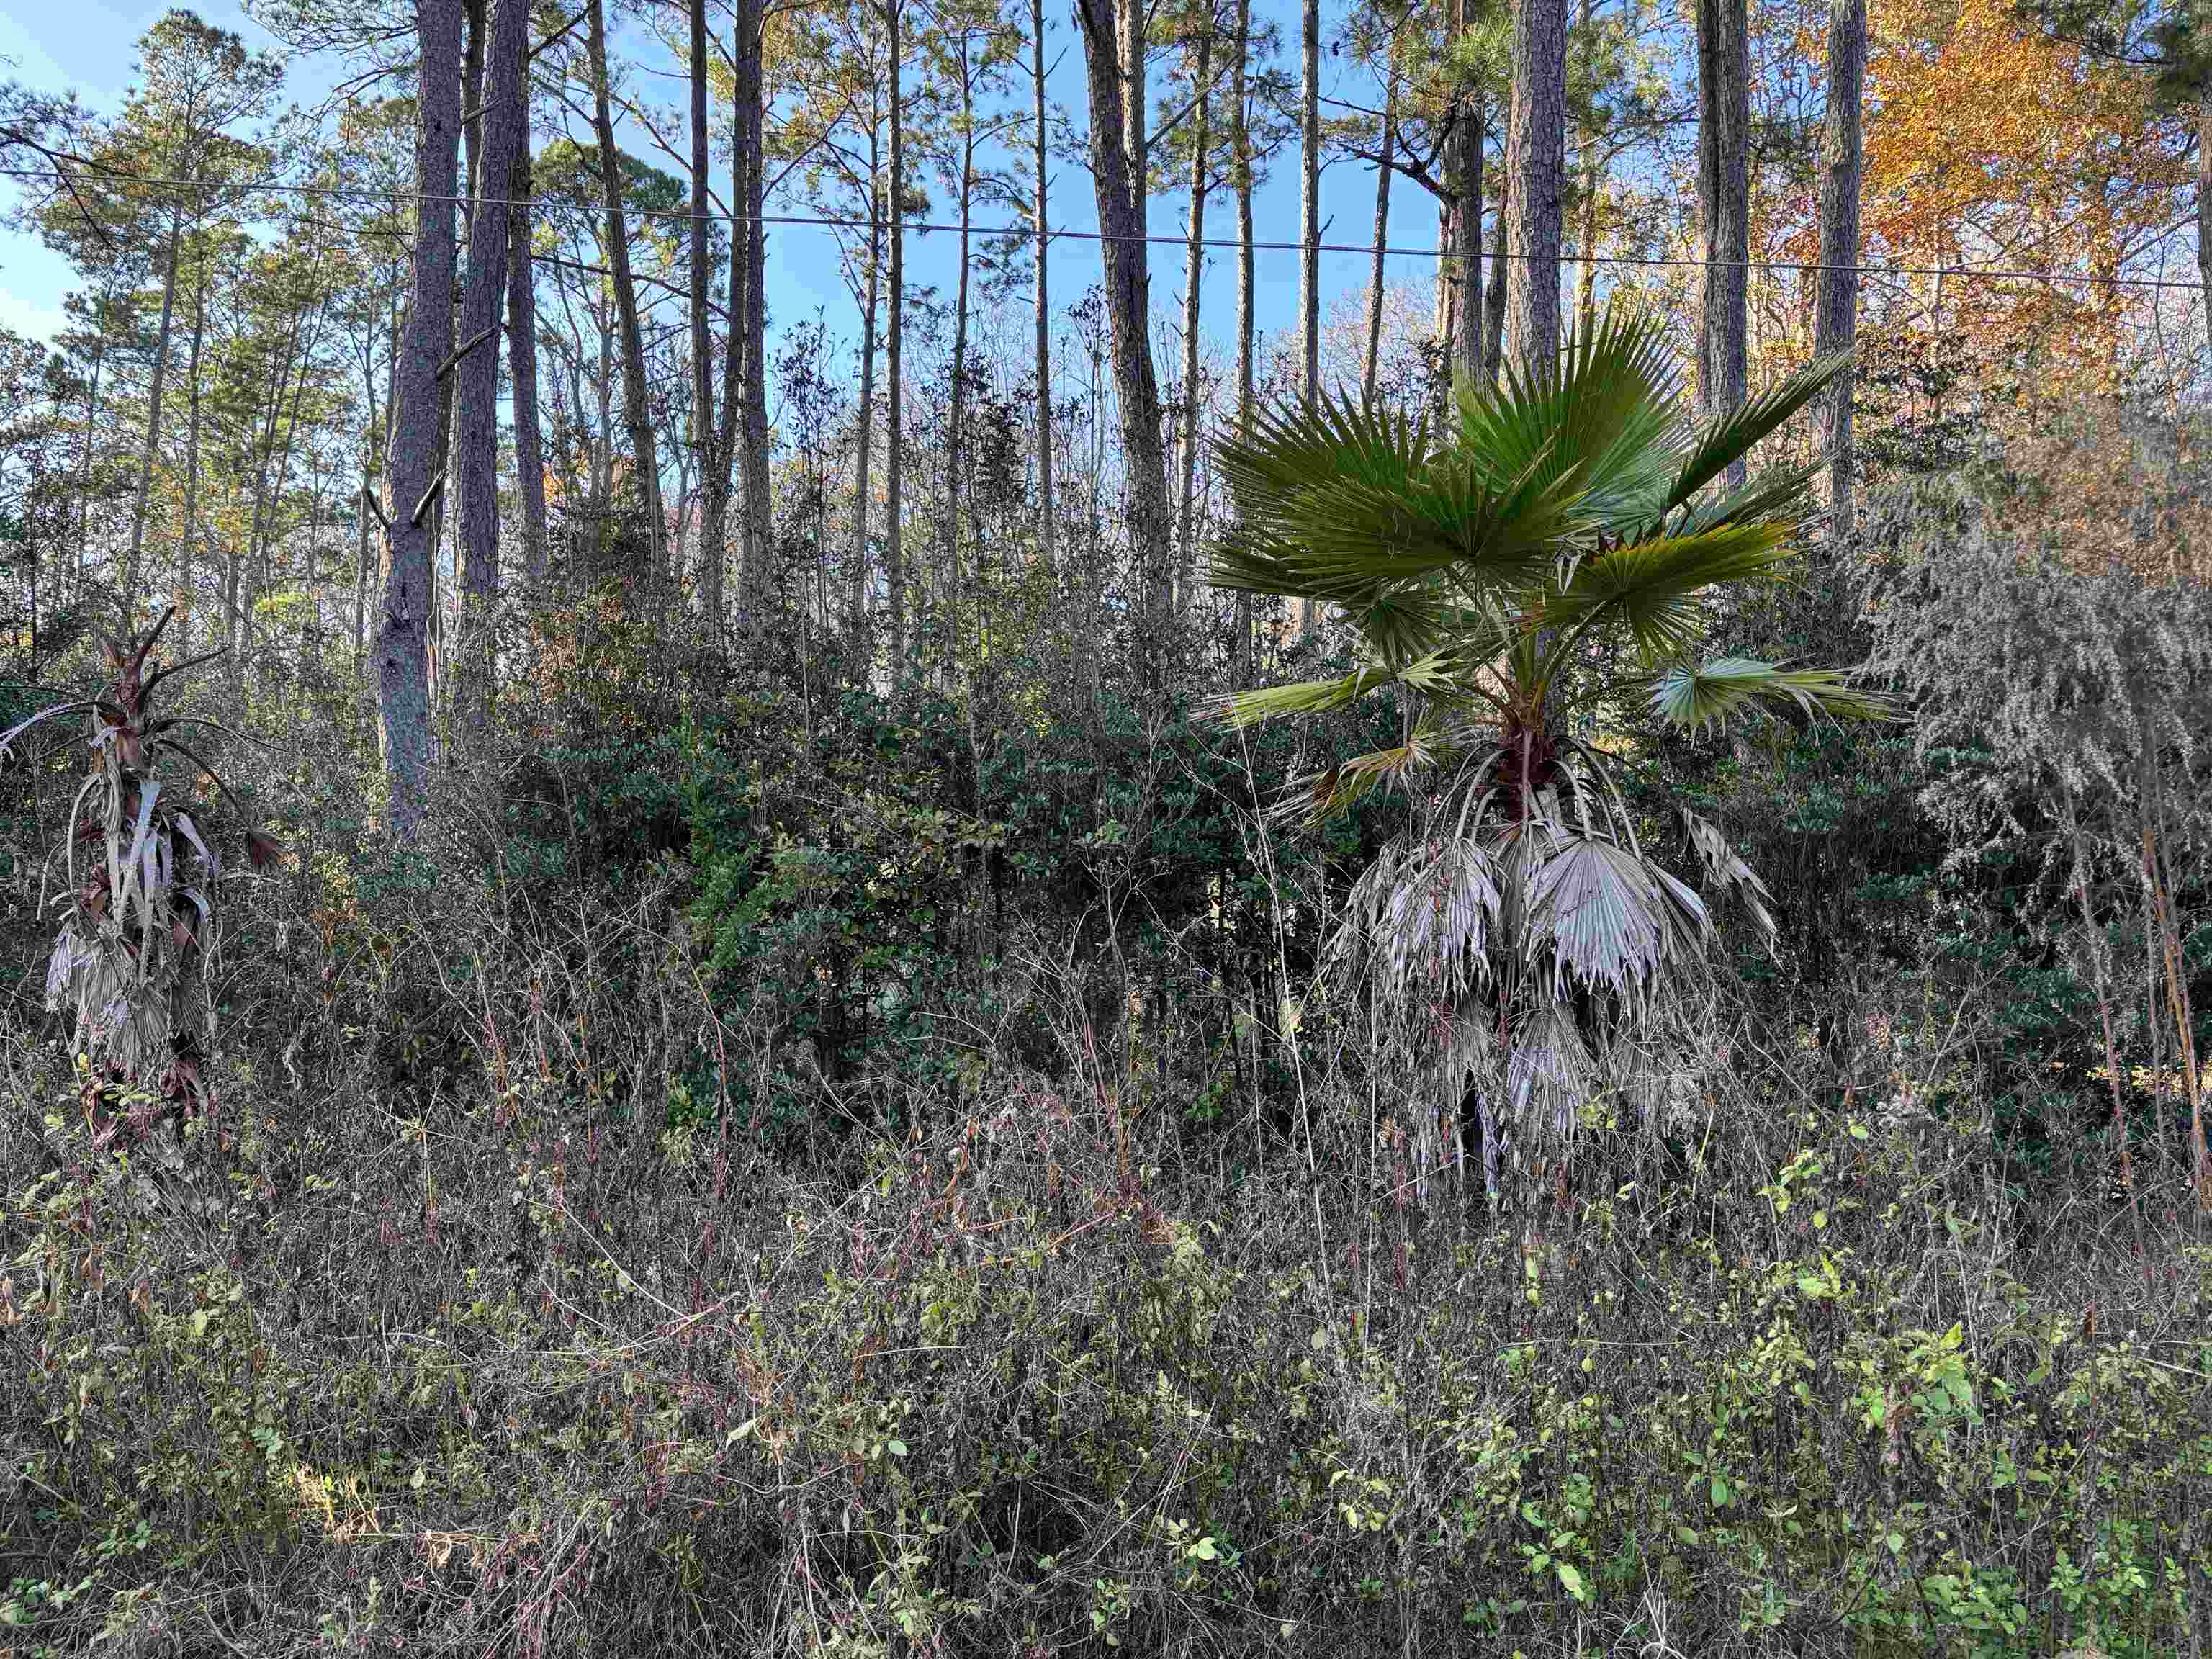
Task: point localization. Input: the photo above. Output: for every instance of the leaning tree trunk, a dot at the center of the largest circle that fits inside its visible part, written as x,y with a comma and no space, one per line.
1835,317
403,632
637,407
522,362
1724,206
1535,167
476,375
1112,50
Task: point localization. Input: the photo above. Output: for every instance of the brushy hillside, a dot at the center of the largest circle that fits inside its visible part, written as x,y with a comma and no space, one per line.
477,1319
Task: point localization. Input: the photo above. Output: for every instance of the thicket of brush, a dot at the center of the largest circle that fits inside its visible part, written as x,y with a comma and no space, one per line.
799,1175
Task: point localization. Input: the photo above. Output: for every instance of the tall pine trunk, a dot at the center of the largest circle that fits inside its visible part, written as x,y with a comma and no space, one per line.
1309,231
956,438
192,466
1535,167
1040,154
1201,77
2204,197
868,418
1588,188
748,351
1378,274
714,463
1240,93
152,443
1113,54
1835,316
1723,206
403,631
637,406
894,370
522,359
475,376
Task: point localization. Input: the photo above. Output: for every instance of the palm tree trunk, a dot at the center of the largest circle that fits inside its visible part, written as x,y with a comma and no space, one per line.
1835,316
402,638
1535,167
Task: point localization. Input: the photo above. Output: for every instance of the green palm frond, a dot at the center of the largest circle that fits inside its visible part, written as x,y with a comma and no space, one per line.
1780,495
1694,697
1602,421
1649,587
1734,436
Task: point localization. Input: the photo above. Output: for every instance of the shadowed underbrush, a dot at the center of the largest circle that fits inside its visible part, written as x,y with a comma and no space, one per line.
473,1320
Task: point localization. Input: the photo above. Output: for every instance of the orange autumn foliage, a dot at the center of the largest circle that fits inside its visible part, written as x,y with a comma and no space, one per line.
1989,144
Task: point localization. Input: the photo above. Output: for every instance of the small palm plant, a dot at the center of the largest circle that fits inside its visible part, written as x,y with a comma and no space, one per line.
1521,578
139,928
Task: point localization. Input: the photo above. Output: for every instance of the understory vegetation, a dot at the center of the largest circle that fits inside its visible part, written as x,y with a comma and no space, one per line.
796,1172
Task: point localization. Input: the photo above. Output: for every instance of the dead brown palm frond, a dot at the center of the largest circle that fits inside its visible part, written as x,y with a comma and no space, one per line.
140,924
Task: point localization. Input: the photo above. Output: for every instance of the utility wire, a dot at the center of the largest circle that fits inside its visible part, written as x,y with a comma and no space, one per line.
1028,232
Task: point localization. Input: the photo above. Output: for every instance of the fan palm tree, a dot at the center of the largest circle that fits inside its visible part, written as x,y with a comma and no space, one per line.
1521,576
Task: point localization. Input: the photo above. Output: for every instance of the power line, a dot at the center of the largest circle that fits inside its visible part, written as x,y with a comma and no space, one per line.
1028,232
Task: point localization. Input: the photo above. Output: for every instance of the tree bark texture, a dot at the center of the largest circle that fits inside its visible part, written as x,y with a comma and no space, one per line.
522,361
895,368
1535,166
1112,50
713,467
1836,303
476,375
1723,206
403,630
637,406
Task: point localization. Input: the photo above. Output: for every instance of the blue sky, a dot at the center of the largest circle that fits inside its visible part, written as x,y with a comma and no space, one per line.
89,47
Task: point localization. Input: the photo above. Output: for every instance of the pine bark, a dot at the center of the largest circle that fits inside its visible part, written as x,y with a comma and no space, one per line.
867,419
748,355
895,368
637,407
1113,54
714,468
1378,271
2204,198
1201,80
1835,318
1723,206
1535,166
476,375
152,442
1493,293
192,466
403,631
1040,154
522,362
